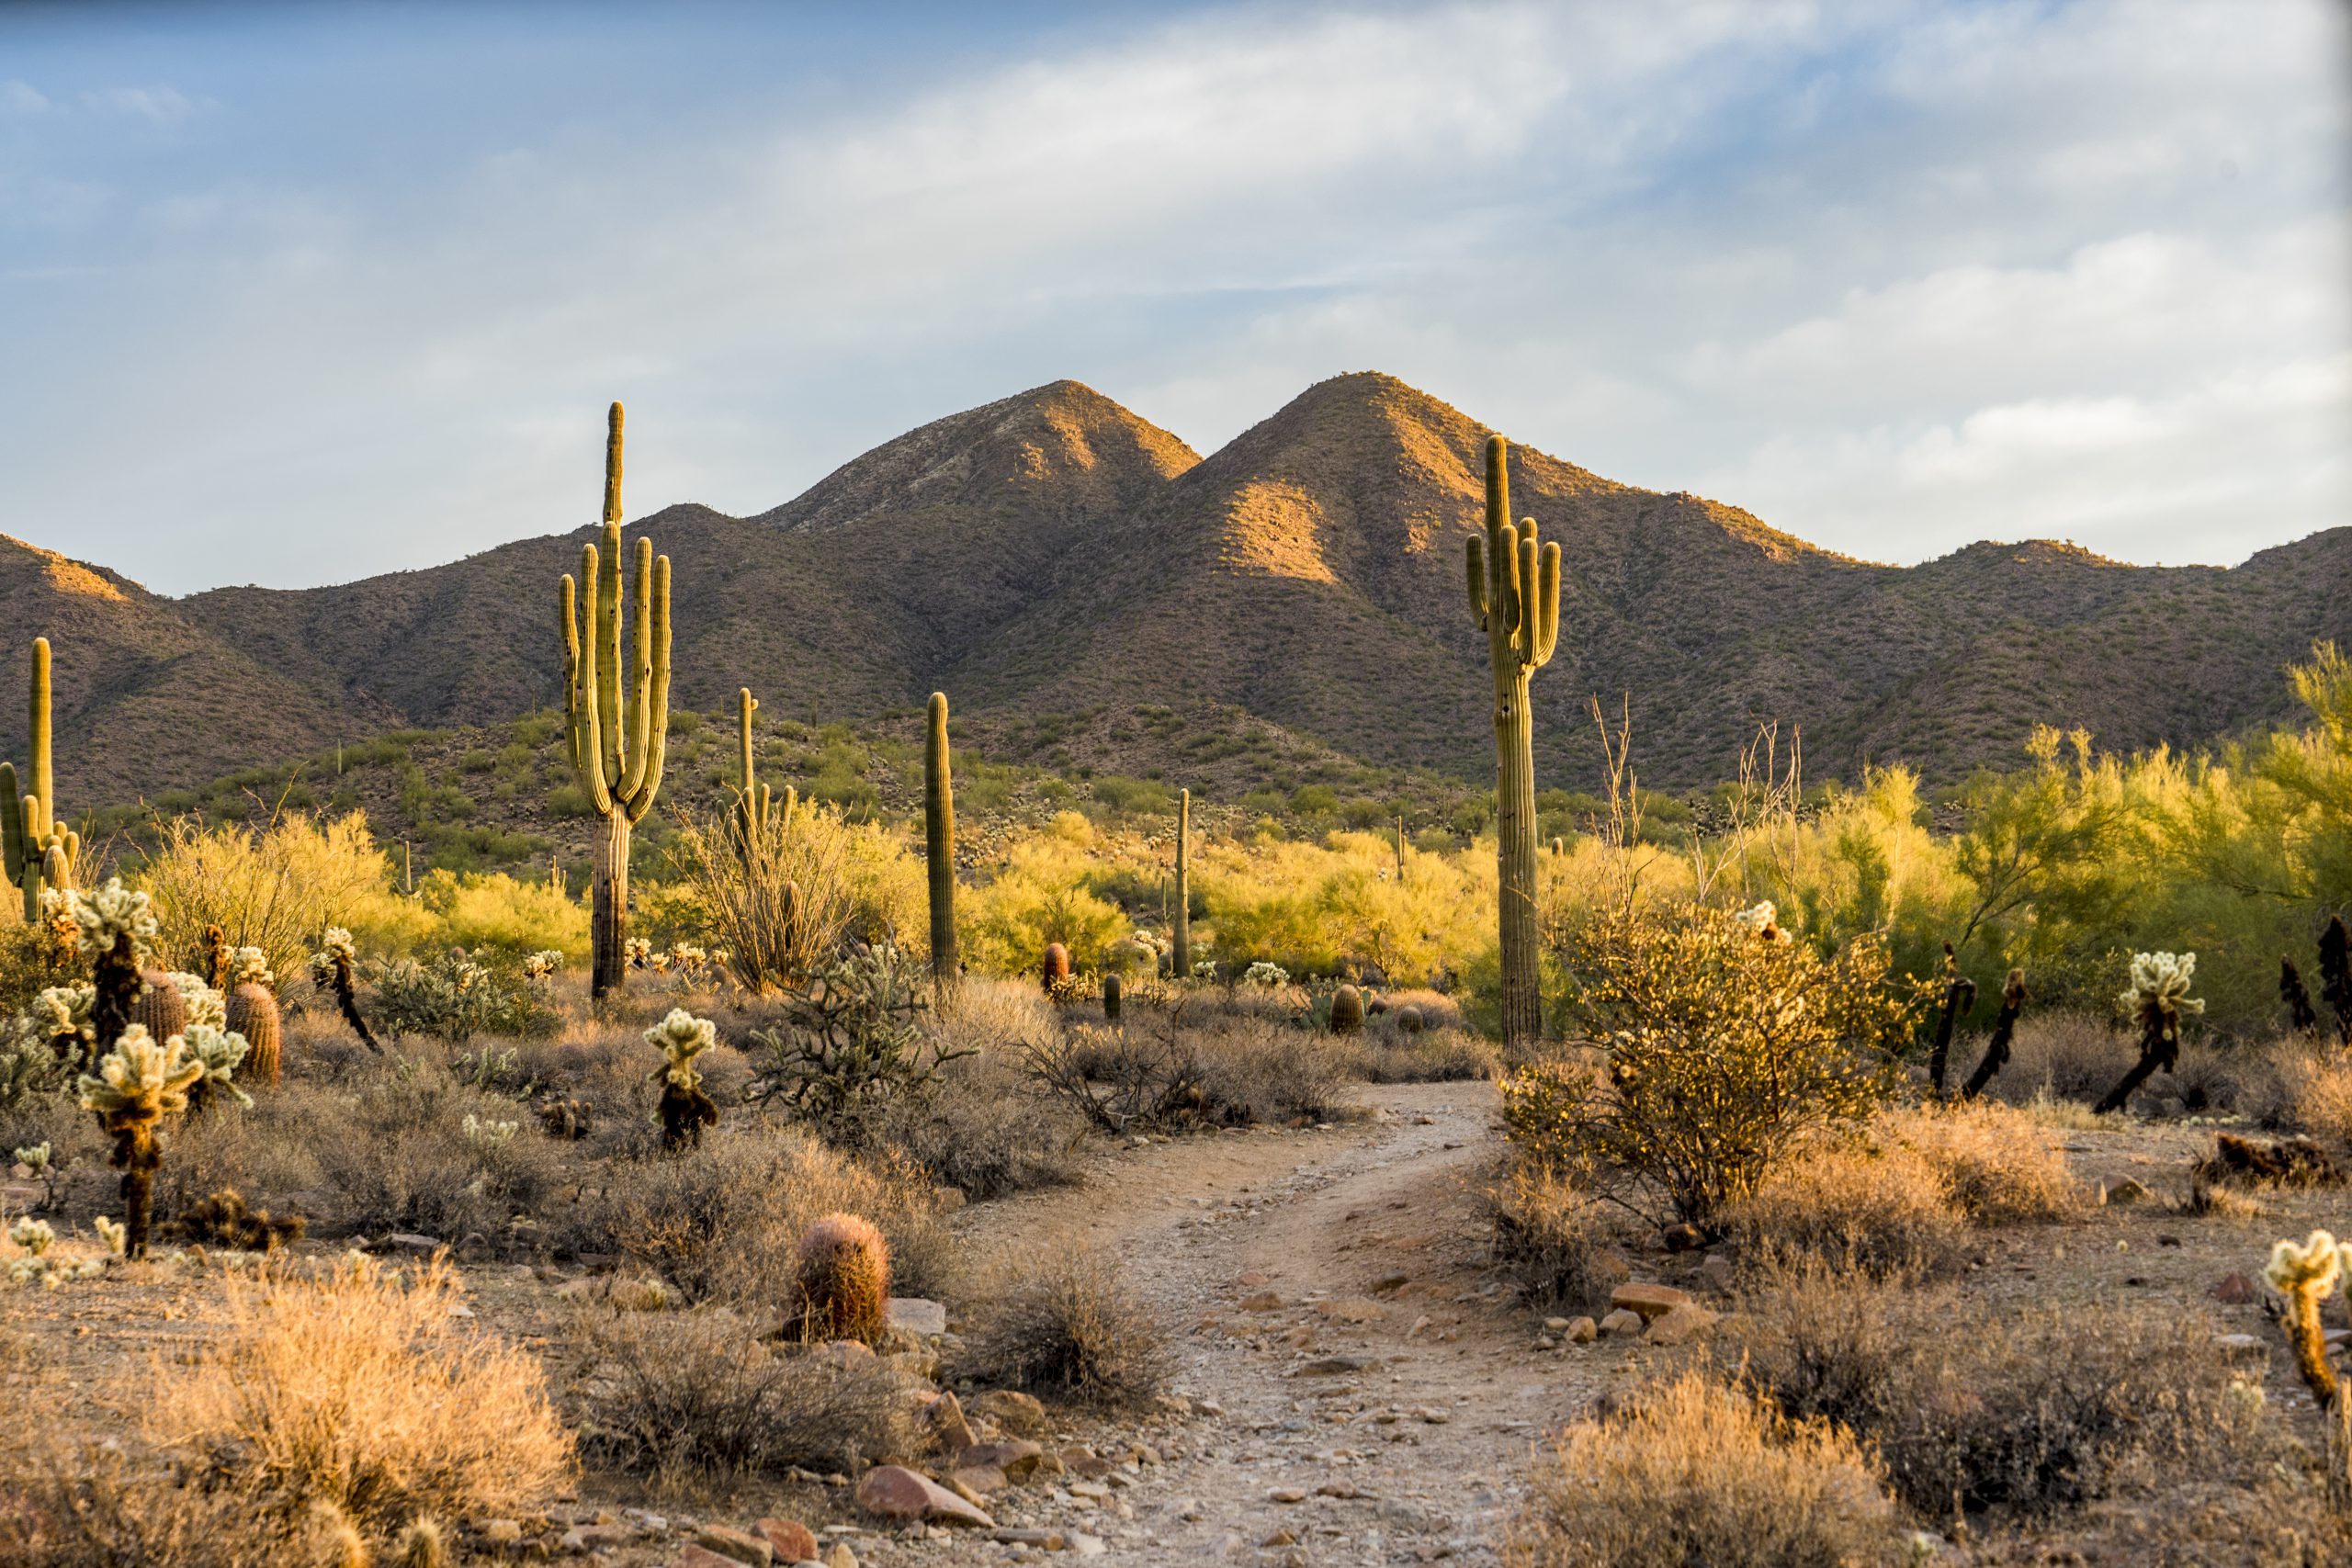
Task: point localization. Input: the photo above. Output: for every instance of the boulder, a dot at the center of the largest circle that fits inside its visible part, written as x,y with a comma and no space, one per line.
1015,1412
791,1541
948,1427
737,1546
1581,1331
1678,1326
894,1492
925,1318
1619,1322
1649,1301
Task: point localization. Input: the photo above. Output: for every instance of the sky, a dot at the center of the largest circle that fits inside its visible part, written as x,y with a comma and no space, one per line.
293,294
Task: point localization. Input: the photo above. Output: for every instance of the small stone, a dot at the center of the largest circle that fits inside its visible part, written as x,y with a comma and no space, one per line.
1716,1271
1286,1495
839,1555
791,1541
741,1546
2242,1346
402,1241
1680,1325
1341,1489
2233,1290
1019,1459
1684,1239
501,1532
1014,1411
978,1480
845,1353
948,1199
1279,1537
894,1492
1583,1331
1043,1539
1649,1301
1092,1490
1622,1321
1085,1462
1555,1326
2125,1194
703,1557
1084,1545
1333,1366
917,1314
948,1427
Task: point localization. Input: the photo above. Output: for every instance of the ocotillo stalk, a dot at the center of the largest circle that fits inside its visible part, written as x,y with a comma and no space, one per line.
40,852
939,843
619,734
1515,597
1180,912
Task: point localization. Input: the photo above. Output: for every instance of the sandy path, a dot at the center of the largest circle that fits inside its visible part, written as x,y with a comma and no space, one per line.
1375,1369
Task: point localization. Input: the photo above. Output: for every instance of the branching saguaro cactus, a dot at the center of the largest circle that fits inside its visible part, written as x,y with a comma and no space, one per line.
1515,597
1180,913
41,851
2306,1275
2004,1030
757,821
619,734
939,843
1960,1000
138,1084
2157,1000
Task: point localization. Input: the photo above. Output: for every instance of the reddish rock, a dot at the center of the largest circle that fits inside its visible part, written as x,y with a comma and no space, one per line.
2234,1290
953,1433
791,1541
1678,1326
978,1480
702,1557
737,1546
1018,1458
1649,1301
894,1492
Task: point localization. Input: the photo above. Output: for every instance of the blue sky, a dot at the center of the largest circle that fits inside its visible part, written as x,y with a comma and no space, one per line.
297,293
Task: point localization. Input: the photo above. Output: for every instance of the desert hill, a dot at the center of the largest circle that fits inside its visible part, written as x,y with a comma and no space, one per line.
1052,555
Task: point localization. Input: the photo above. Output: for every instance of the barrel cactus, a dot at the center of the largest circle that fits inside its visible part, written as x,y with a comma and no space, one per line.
1347,1010
1113,990
842,1279
1409,1020
253,1013
1055,970
161,1008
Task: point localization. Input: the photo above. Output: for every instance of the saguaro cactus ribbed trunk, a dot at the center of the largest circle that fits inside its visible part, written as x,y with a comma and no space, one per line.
1180,916
939,843
1514,585
619,737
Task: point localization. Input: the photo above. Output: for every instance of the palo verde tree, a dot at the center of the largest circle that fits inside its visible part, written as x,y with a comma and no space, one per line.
1515,597
619,736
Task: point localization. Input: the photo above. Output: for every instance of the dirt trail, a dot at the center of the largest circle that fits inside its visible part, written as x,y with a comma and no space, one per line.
1330,1309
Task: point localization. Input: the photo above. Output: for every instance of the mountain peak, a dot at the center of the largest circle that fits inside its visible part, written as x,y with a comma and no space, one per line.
1063,447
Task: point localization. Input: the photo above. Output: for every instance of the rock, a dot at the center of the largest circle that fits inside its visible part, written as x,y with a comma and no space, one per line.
1043,1539
1619,1322
1352,1309
1684,1239
948,1427
1015,1412
1279,1537
501,1532
1649,1301
1582,1331
1286,1495
948,1199
1678,1326
791,1541
916,1315
739,1546
1019,1459
1085,1462
703,1557
1715,1272
402,1241
1084,1545
2233,1290
894,1492
2242,1346
845,1353
2125,1194
1262,1300
978,1480
1333,1366
839,1555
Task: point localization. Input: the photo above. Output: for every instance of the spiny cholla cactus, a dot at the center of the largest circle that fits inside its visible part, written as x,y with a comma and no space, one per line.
103,919
1764,919
250,966
688,959
219,1052
61,1015
1960,999
2306,1275
111,1231
138,1084
34,1235
334,967
203,1005
35,1159
479,1131
1266,976
639,951
543,964
2157,999
685,1109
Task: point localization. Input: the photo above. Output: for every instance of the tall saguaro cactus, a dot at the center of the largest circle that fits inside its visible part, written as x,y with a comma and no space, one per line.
1180,917
41,851
1515,597
619,734
939,842
755,813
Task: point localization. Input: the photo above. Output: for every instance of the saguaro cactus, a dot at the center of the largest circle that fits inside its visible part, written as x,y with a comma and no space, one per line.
939,842
1515,597
1179,914
40,852
752,802
618,738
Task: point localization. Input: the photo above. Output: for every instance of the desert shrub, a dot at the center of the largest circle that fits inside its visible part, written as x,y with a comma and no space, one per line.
1067,1329
2316,1092
1553,1240
1689,1472
679,1396
721,1221
1975,1406
1727,1051
1232,1069
360,1388
1039,896
93,1506
415,1149
2063,1055
456,995
851,1044
983,1128
778,905
509,918
1253,1070
1868,1211
32,959
275,889
1446,1056
1996,1163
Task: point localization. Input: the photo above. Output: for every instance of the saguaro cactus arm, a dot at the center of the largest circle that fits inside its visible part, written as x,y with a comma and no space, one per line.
939,841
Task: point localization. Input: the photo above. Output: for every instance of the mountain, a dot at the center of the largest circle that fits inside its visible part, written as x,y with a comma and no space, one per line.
1053,561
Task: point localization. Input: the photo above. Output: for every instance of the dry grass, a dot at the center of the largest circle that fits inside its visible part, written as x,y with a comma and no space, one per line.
683,1397
1873,1210
2317,1092
95,1507
1691,1473
2063,1056
1994,1163
360,1388
1552,1238
1068,1330
1384,1053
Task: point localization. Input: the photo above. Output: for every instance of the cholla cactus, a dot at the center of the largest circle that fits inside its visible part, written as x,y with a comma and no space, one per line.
62,1014
2306,1275
250,966
486,1133
658,962
1763,918
685,1109
688,959
1266,975
35,1159
103,920
1204,969
639,951
201,1004
335,967
2157,1000
138,1084
336,944
219,1051
111,1231
34,1235
543,964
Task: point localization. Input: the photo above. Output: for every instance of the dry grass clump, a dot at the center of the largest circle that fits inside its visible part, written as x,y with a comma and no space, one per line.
1552,1238
359,1388
2063,1055
1069,1331
2316,1090
721,1221
1994,1163
984,1129
1689,1471
95,1507
1872,1210
680,1396
1386,1055
1975,1408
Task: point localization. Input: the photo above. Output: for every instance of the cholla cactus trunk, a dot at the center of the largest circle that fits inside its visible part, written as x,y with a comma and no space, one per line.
939,843
2335,974
347,1000
115,980
216,959
2004,1029
1180,912
619,736
1960,999
2304,1276
2300,1015
1514,585
138,1083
